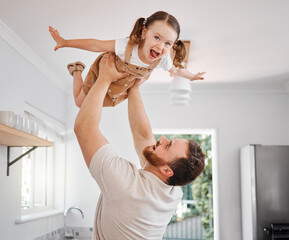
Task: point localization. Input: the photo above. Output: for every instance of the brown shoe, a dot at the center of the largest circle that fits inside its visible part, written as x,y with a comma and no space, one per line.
75,66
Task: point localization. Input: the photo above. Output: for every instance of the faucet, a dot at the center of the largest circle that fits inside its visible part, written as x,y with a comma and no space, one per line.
69,233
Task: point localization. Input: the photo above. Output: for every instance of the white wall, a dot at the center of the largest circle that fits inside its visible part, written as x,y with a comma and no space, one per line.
240,118
20,81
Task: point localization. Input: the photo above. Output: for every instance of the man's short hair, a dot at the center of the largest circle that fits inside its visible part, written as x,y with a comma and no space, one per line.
187,169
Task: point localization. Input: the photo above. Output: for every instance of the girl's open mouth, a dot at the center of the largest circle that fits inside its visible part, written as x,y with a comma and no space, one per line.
154,54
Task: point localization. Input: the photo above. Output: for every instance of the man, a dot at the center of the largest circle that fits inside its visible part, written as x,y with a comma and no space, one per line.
134,203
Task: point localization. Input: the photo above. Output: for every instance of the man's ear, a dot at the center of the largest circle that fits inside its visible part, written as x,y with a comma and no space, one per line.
166,171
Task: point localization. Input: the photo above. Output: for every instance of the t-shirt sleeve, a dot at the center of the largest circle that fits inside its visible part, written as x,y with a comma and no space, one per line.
166,63
120,46
112,173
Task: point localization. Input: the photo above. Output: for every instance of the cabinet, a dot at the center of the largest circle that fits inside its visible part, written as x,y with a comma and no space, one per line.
12,137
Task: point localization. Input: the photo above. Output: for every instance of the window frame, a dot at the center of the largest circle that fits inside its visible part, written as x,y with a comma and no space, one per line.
52,130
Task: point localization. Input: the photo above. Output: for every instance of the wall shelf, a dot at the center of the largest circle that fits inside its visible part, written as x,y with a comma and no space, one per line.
12,137
15,138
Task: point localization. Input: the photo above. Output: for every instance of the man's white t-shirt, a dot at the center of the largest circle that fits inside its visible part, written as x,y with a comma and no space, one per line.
120,46
134,203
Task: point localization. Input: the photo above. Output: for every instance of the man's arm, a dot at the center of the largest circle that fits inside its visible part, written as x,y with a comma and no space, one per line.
87,121
139,123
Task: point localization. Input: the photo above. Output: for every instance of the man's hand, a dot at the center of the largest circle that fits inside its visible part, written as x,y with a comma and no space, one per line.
60,41
140,81
107,69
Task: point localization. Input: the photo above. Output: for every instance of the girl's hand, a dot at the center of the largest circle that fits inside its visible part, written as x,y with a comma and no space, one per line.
198,76
60,41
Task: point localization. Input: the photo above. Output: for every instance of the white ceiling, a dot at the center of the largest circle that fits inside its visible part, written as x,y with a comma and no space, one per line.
233,41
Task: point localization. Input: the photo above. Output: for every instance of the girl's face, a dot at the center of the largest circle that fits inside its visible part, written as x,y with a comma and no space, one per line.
158,40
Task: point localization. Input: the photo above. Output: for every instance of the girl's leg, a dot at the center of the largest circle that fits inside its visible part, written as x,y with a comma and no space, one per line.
78,93
75,69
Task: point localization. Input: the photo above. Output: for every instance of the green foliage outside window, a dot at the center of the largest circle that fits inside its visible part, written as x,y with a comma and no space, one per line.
201,189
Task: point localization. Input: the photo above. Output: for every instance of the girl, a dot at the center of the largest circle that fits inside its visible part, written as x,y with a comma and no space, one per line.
147,47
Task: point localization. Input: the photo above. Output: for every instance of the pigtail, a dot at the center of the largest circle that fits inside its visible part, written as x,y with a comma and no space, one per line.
135,35
179,50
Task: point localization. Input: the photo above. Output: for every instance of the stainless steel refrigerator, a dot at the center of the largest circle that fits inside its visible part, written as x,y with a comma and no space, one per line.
265,191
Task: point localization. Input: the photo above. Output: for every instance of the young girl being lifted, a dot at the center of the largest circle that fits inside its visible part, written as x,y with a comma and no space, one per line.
147,47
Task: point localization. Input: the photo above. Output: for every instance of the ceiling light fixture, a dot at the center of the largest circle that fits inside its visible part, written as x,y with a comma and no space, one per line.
180,91
180,88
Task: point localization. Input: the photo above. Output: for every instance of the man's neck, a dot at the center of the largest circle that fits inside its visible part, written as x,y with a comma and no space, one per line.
154,170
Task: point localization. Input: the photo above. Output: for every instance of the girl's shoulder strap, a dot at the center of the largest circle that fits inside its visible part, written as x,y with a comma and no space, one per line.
128,51
154,64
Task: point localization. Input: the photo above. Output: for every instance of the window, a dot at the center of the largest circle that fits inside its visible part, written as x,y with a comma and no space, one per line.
41,167
37,179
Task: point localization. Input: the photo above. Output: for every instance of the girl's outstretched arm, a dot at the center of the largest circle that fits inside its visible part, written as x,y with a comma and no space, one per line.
186,74
92,45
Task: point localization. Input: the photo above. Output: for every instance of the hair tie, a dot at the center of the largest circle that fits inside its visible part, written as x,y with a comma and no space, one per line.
176,44
145,22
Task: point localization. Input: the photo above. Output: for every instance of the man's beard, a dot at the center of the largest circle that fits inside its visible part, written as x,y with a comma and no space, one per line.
152,158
